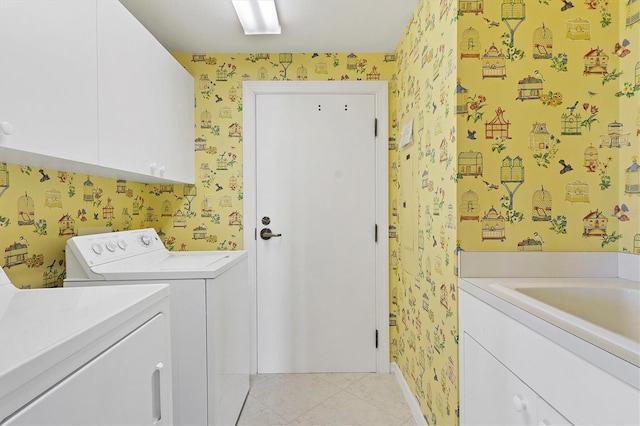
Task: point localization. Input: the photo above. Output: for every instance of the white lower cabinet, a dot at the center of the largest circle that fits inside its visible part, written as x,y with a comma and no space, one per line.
126,384
511,374
496,396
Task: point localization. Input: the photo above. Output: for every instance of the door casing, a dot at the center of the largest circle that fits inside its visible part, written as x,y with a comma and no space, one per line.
380,90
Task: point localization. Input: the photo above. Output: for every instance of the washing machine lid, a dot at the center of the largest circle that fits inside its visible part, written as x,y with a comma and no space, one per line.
47,334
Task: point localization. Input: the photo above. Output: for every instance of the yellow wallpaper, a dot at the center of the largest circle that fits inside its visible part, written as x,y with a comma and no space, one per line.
547,106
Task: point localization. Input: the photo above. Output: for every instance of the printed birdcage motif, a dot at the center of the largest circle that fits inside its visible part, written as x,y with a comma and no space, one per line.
462,106
512,170
166,209
180,219
493,225
150,215
470,163
632,12
542,43
632,178
108,210
636,244
262,74
88,190
591,158
302,73
539,137
352,61
206,207
235,130
529,88
225,201
204,83
233,93
225,112
16,254
570,123
578,29
494,63
425,178
166,187
4,178
233,183
498,127
470,44
471,6
53,198
205,119
595,62
121,186
200,143
530,244
66,226
374,74
221,162
321,68
235,219
615,137
541,205
577,192
637,79
198,57
221,73
49,279
513,9
200,232
595,224
444,152
205,171
26,210
470,206
451,221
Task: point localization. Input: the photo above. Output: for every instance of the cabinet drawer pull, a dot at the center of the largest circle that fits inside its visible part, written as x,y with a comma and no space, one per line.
156,398
519,403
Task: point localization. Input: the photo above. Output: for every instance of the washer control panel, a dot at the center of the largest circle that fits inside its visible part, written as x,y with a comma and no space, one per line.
98,249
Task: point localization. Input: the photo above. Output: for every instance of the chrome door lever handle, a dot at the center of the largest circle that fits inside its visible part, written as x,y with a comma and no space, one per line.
266,234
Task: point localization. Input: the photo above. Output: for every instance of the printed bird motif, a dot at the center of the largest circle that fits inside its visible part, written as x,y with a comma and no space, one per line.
490,186
619,212
590,93
565,167
50,267
573,107
621,50
44,177
537,237
471,134
567,5
538,75
492,23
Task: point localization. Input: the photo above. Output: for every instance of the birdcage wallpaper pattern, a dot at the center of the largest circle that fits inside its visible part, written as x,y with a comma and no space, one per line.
471,6
539,137
470,45
577,192
470,164
615,137
66,226
262,74
595,224
108,210
632,178
542,43
498,127
513,9
596,61
200,143
541,205
204,83
52,198
632,15
206,207
16,254
462,106
529,88
26,210
302,73
493,225
205,119
374,74
179,219
494,63
4,178
512,170
470,206
591,158
578,29
571,124
167,209
200,232
636,244
637,74
87,190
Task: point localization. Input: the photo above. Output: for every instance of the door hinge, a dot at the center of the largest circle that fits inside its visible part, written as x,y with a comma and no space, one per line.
376,233
375,127
376,339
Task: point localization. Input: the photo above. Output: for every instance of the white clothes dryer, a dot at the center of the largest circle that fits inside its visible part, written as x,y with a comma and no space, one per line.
210,314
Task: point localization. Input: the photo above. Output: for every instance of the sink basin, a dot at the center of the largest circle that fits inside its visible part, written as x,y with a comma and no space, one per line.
615,309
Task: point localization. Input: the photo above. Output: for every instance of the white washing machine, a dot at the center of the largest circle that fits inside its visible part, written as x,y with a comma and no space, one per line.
210,314
85,356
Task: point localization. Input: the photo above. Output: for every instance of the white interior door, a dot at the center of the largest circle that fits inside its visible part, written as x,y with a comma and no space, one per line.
316,184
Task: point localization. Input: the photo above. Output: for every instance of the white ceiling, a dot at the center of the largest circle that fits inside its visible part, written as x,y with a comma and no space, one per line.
336,26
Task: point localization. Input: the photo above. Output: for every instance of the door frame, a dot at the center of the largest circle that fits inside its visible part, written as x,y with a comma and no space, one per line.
380,90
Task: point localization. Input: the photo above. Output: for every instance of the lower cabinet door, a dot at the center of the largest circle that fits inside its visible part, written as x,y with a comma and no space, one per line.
493,395
548,416
128,384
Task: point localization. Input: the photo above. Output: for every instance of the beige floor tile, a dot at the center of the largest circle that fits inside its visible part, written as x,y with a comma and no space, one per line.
383,391
255,413
346,409
342,380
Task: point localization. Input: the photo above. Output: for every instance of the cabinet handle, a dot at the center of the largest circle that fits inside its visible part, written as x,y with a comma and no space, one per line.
156,399
544,423
519,403
6,128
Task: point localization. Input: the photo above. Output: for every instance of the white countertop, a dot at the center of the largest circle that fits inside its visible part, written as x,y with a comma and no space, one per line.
45,334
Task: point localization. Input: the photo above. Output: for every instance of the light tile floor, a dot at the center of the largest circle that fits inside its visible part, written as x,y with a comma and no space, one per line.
325,399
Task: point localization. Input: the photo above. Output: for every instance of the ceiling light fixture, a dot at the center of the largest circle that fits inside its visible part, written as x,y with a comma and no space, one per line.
257,16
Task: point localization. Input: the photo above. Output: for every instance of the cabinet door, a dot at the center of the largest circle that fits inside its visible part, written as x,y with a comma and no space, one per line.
493,395
145,100
129,383
548,416
48,85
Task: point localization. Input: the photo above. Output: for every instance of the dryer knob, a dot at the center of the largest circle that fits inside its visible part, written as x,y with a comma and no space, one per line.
97,248
111,246
145,240
122,244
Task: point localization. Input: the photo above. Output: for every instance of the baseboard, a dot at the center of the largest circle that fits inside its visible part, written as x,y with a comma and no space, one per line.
408,396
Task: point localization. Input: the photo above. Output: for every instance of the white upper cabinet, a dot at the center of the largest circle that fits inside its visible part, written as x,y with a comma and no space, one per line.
145,100
48,86
85,88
